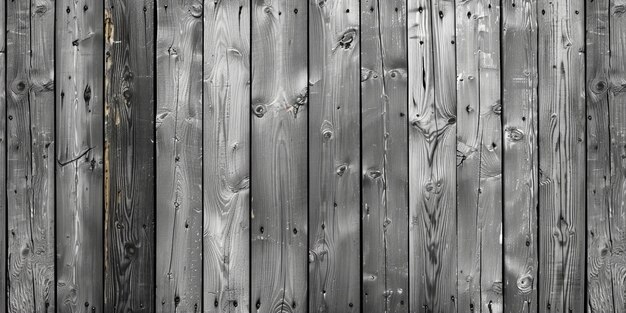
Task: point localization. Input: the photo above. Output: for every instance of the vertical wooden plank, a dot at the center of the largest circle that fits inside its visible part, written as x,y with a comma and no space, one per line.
599,191
3,159
179,155
520,185
334,146
561,156
30,165
479,172
226,156
432,145
385,163
279,162
79,126
129,156
617,145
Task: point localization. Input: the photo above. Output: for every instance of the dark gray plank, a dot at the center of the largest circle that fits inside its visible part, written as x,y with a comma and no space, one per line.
479,170
129,156
334,160
520,186
561,156
279,161
226,156
79,121
179,155
30,156
385,163
3,160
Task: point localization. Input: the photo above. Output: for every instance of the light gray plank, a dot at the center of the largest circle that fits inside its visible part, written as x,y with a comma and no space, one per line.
226,156
30,156
179,156
3,160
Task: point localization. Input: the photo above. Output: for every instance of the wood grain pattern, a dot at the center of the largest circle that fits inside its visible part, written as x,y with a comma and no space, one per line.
179,156
79,155
129,156
385,164
432,145
479,151
226,156
3,159
334,161
520,171
279,161
561,156
30,142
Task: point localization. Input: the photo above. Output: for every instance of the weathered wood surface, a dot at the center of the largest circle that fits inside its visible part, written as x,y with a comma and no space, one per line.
3,159
129,156
279,156
79,155
479,152
520,171
334,159
30,156
385,165
179,156
562,188
226,156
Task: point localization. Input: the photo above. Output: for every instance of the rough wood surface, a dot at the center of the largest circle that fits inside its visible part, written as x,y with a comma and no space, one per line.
179,156
79,155
279,156
561,156
385,142
334,160
3,160
30,156
520,171
226,147
432,151
479,151
129,156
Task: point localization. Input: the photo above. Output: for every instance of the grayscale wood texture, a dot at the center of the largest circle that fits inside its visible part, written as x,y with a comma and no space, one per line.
384,121
79,155
520,171
279,156
179,156
30,156
226,156
334,159
129,156
3,158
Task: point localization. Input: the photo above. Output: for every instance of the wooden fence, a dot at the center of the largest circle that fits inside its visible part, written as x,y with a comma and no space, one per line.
313,156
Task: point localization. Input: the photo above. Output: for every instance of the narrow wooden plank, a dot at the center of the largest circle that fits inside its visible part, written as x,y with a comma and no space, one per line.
79,156
226,156
30,161
3,160
561,156
179,156
279,161
129,156
334,144
520,181
385,163
599,250
479,172
617,147
432,145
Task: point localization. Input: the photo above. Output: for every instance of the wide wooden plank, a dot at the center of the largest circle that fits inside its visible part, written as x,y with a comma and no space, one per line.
520,171
599,190
279,161
334,161
3,159
79,155
226,156
129,156
479,151
432,151
179,156
30,156
385,163
562,187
